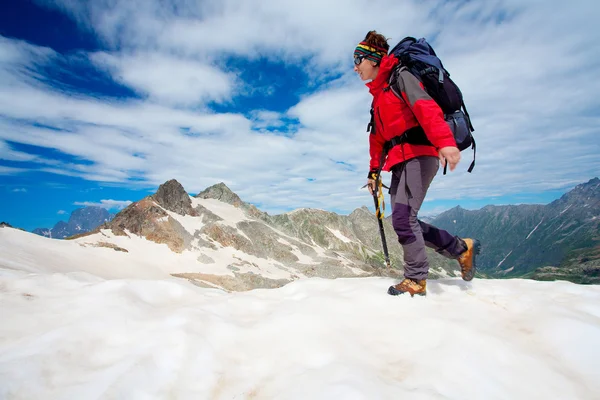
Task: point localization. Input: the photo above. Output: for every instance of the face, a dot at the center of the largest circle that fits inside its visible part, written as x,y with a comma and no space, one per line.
366,69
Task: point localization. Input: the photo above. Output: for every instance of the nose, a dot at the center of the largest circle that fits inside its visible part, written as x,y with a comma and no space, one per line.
355,68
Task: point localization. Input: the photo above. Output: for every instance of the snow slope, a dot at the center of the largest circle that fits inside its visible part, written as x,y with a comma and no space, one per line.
144,259
88,335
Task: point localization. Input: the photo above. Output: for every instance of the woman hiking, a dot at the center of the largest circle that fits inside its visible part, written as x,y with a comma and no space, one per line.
413,166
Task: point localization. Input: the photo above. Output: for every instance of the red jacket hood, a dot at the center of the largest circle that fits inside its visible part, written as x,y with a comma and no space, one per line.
385,70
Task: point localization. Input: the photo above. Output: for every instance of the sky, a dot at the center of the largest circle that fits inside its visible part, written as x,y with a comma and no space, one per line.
82,328
102,101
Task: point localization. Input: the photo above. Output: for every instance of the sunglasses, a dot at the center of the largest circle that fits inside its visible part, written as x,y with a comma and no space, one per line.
359,59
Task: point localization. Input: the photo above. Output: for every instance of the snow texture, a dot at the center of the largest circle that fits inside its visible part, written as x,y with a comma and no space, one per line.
100,332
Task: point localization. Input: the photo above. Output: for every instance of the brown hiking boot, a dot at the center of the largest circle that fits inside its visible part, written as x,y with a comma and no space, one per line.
409,285
467,259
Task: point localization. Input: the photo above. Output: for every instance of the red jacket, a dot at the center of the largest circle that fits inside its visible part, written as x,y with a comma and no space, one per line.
394,116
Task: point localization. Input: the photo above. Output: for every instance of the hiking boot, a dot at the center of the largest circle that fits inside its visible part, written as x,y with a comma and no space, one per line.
409,285
467,259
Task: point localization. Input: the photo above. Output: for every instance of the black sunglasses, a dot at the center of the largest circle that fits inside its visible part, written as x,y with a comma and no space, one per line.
359,59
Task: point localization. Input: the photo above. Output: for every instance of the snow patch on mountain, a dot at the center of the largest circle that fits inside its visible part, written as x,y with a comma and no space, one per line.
231,215
339,235
190,223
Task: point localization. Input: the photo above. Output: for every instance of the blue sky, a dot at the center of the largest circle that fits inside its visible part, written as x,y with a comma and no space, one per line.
101,104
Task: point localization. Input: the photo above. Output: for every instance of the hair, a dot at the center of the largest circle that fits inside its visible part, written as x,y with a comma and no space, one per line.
377,39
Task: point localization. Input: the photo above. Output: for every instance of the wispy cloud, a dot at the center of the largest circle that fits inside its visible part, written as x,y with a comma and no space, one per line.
11,170
526,70
61,212
19,190
168,79
108,204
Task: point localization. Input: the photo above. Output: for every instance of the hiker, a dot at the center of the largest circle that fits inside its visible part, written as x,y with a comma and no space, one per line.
413,166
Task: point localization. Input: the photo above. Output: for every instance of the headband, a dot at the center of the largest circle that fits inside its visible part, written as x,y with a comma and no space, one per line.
370,52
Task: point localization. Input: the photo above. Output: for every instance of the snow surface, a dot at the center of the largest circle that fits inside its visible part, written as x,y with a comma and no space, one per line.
569,206
102,334
230,214
189,223
145,259
530,233
504,259
302,258
339,235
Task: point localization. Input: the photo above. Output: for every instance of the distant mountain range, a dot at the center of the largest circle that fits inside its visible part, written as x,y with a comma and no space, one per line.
560,240
82,220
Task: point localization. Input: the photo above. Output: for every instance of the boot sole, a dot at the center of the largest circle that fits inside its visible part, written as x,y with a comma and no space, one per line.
476,250
395,292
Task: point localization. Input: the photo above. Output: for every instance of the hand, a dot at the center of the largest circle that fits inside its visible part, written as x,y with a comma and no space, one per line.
372,185
451,155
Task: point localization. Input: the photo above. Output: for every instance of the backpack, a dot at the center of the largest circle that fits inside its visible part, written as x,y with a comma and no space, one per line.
420,59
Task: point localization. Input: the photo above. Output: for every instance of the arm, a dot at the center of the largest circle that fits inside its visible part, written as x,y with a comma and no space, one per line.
428,113
376,142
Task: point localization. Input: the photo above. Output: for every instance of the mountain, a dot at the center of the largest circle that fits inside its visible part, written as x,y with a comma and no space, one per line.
81,220
222,241
216,239
560,240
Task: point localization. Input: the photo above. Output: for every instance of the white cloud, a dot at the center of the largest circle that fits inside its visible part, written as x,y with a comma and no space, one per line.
286,28
108,204
263,119
19,190
7,153
61,212
11,170
168,79
526,70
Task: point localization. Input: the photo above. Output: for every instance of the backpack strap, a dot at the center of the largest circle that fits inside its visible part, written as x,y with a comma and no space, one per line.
473,162
468,117
415,135
371,124
473,146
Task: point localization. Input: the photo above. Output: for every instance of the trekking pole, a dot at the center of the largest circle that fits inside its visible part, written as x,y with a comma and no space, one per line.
379,215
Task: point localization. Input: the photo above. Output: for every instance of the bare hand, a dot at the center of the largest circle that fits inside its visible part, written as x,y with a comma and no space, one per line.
372,185
451,155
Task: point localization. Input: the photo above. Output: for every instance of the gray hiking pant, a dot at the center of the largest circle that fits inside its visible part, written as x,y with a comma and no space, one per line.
410,181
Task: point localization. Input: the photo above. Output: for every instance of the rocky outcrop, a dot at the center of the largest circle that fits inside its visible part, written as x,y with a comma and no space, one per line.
221,192
145,218
171,196
237,283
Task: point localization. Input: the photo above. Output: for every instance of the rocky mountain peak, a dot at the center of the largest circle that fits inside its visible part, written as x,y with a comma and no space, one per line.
88,218
172,196
586,194
361,212
221,192
81,220
590,187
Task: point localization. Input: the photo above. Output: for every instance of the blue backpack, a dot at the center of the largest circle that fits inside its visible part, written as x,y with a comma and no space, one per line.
420,59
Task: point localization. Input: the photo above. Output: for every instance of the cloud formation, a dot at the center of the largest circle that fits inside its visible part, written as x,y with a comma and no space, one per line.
526,71
108,204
